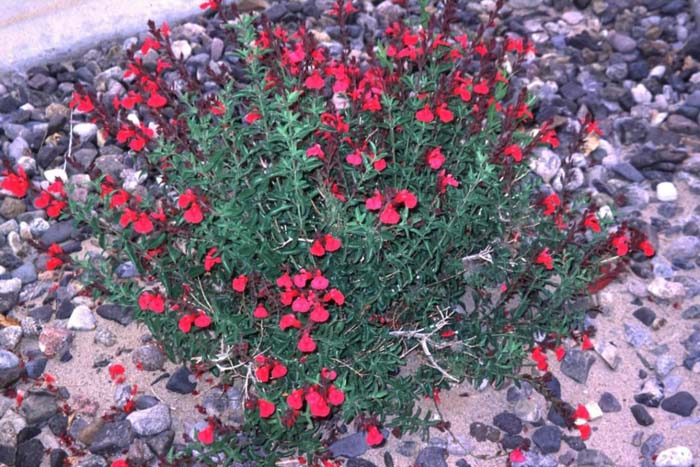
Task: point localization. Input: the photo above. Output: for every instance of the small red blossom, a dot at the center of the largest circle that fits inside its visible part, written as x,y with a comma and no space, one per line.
206,436
17,184
647,248
289,321
374,436
315,151
406,198
152,301
217,107
336,397
116,373
514,151
591,221
143,224
193,215
389,216
295,399
481,87
306,344
252,117
119,463
375,202
444,180
239,283
592,127
210,261
545,259
560,352
517,456
586,343
81,103
582,412
156,101
551,203
425,115
584,431
444,113
621,243
260,312
435,158
265,408
315,81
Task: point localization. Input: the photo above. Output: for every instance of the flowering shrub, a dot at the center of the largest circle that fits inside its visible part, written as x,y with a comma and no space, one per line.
314,222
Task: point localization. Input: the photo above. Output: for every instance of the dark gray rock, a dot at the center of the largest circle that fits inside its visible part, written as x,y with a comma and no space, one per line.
577,364
37,408
692,312
182,381
432,457
121,314
57,458
407,448
510,442
681,403
628,172
358,462
593,458
574,442
547,439
645,315
560,414
641,415
508,422
42,313
29,453
652,445
350,446
58,232
112,437
608,403
10,369
160,444
149,356
35,367
151,421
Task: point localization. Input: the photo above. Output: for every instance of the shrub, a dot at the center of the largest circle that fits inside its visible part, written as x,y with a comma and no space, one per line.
327,213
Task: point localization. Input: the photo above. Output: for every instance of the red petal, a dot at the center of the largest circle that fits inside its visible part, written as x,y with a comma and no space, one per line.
266,408
560,353
194,214
206,436
317,249
374,436
582,412
332,244
585,431
586,343
517,456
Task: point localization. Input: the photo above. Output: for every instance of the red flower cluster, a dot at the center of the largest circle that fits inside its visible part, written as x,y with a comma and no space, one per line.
302,293
269,368
545,259
389,214
318,397
138,137
199,319
54,261
152,301
52,199
328,243
17,184
191,203
210,260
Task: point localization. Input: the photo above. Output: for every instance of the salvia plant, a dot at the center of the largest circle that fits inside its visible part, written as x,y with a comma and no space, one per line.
307,224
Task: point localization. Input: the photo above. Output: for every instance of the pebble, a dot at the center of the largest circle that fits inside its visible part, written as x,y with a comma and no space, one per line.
679,456
37,408
508,423
641,415
645,315
149,356
666,290
150,421
577,364
547,439
82,319
528,411
120,314
608,403
10,337
666,191
10,368
182,381
350,446
432,457
112,438
692,312
105,337
682,403
652,445
9,293
593,458
55,340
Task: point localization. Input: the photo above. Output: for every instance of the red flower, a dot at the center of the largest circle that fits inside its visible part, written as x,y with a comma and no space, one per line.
295,399
252,117
156,101
55,249
194,214
560,352
119,463
551,203
116,372
143,224
435,158
213,4
425,115
374,436
265,408
647,248
481,87
302,278
17,184
375,202
354,158
306,344
315,151
260,312
444,114
331,243
335,295
545,259
586,343
319,282
319,314
591,221
119,198
185,323
584,431
317,248
278,370
336,397
289,321
406,198
186,199
582,412
389,216
53,263
379,165
152,301
206,436
210,260
315,81
517,456
149,44
83,103
284,281
55,208
592,127
202,320
128,216
445,180
514,151
317,405
621,244
301,305
239,283
263,374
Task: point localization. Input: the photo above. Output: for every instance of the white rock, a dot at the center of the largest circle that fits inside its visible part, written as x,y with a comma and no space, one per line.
546,164
666,290
679,456
572,17
182,48
641,94
594,410
85,131
666,191
55,174
82,319
657,72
